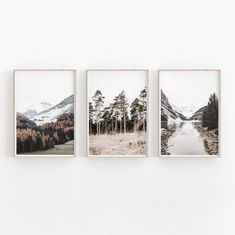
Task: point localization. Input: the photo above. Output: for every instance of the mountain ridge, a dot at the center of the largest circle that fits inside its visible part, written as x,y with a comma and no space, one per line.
50,115
35,109
167,112
198,114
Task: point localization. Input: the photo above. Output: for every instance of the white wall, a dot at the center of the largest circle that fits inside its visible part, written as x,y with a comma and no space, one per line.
117,196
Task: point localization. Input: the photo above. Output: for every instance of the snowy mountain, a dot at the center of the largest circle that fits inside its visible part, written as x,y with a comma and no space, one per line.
198,114
51,114
187,111
34,110
168,112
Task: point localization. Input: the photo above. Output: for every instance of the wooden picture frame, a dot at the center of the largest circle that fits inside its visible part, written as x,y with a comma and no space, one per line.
56,123
215,144
118,72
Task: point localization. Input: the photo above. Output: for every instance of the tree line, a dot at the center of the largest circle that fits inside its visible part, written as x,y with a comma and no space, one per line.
31,138
118,117
210,117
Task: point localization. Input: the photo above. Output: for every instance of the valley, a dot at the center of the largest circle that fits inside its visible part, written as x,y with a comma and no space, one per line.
47,132
63,149
187,133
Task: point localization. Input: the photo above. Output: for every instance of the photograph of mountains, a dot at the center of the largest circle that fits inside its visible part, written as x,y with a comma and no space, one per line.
44,106
117,106
189,113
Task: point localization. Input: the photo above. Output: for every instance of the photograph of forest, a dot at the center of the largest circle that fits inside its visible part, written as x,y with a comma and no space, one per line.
117,113
189,103
44,112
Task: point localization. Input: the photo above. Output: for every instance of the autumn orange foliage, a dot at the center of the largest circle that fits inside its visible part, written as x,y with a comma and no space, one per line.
45,136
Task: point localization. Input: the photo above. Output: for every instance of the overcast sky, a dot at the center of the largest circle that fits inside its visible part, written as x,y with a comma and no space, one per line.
189,88
33,87
111,83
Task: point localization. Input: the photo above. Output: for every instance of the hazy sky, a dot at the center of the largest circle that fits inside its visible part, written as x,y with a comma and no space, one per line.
189,88
111,83
32,87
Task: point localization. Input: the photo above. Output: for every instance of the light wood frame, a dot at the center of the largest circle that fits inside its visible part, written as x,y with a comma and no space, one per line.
74,71
159,113
146,71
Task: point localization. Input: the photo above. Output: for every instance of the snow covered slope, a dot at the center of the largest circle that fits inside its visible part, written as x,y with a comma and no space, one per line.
198,114
51,114
34,110
167,112
187,111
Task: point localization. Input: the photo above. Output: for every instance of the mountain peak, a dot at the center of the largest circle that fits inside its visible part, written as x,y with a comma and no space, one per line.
68,100
198,114
35,109
187,111
51,114
168,110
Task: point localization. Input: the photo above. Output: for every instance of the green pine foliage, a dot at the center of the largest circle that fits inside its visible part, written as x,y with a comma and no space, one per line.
98,100
211,113
118,117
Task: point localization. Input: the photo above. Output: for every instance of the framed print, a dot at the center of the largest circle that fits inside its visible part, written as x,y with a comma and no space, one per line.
117,113
44,113
189,113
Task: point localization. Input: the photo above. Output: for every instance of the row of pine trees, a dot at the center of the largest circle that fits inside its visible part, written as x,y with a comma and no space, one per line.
120,116
210,117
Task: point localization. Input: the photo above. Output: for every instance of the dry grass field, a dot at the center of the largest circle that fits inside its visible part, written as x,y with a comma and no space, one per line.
63,149
118,144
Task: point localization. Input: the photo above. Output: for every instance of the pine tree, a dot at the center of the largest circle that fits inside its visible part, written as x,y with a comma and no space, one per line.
136,112
122,106
116,112
91,116
116,116
106,115
112,116
211,113
98,100
143,99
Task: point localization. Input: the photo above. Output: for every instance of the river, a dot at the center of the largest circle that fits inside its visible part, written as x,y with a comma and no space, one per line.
186,140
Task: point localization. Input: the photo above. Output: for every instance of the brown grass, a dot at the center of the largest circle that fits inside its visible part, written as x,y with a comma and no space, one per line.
211,139
118,144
